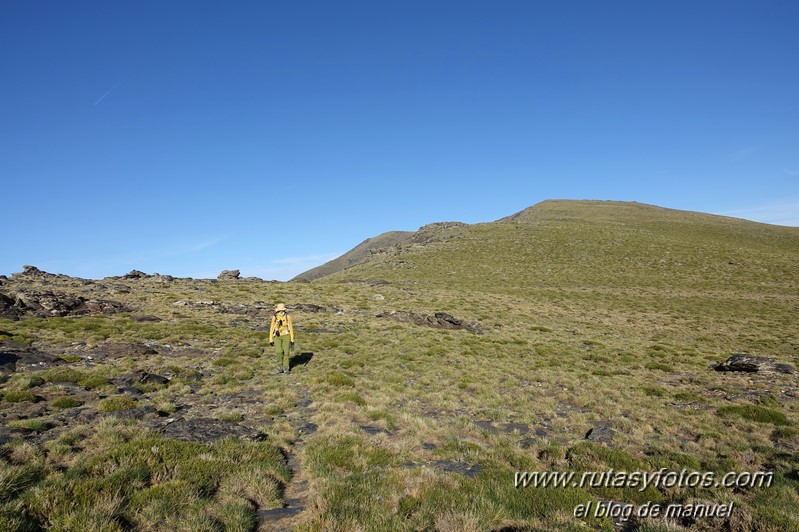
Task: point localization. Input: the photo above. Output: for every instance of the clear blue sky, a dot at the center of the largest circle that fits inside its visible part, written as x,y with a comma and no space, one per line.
187,137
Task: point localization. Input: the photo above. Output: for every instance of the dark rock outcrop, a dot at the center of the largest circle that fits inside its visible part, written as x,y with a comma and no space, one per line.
46,304
440,320
750,364
11,308
206,430
14,356
32,272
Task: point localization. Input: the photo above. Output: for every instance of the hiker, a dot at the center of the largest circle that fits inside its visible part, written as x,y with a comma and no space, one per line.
281,335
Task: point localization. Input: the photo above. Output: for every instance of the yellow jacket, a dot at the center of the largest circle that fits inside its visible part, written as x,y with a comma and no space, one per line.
281,326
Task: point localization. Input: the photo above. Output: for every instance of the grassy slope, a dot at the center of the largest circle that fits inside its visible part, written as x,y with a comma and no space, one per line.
592,311
608,311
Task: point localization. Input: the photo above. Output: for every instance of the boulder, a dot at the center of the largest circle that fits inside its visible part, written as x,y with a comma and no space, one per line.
751,364
32,272
229,274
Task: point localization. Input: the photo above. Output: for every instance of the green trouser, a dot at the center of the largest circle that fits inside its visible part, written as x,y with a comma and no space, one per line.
282,347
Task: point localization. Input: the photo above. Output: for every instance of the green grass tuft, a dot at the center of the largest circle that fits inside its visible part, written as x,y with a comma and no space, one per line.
754,413
65,402
114,404
337,378
18,396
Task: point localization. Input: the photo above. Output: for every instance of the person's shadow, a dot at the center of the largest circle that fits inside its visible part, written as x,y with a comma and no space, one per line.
300,360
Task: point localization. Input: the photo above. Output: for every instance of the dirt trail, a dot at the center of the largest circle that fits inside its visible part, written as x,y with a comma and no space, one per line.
296,492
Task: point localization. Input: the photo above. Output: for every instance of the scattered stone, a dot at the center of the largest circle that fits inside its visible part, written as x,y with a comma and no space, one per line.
196,304
135,274
229,274
303,402
450,466
5,435
440,320
71,388
122,349
515,428
119,289
601,433
751,364
141,412
540,436
486,426
310,307
124,380
277,514
369,282
505,428
308,428
206,430
145,318
132,390
373,430
152,378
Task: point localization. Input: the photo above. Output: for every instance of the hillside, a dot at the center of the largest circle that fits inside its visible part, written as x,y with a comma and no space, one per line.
360,253
594,243
431,369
